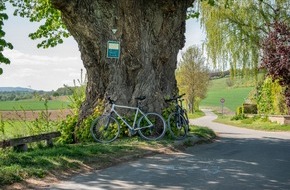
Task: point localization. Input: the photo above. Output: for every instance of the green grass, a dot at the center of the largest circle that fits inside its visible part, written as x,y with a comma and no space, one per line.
12,129
32,105
234,96
16,128
195,115
17,166
202,132
253,123
38,163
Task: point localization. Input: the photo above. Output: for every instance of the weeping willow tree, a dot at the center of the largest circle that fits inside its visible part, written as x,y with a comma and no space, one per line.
235,30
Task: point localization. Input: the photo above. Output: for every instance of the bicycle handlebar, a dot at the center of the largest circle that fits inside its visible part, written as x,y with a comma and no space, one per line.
111,101
138,98
174,98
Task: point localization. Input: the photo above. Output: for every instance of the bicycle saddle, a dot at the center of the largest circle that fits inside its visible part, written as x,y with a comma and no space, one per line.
141,98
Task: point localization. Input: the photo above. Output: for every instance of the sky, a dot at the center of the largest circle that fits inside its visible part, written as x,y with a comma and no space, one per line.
50,69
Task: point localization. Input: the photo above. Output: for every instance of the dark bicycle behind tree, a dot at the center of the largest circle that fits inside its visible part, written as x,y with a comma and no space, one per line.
178,123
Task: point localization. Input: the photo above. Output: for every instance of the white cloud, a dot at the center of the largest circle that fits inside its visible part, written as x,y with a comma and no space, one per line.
39,72
18,57
193,35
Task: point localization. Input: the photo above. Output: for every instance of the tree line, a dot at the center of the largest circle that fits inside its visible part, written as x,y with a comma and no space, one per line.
25,95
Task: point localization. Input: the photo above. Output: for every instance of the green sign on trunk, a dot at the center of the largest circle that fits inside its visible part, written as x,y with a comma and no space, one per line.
113,49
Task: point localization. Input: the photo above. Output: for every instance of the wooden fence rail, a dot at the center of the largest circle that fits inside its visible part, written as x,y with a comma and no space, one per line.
20,144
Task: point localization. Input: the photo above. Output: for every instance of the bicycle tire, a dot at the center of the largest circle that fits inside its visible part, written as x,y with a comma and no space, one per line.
185,116
178,126
154,132
105,129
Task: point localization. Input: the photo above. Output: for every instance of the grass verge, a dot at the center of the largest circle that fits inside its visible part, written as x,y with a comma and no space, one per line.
196,114
253,123
62,159
39,163
202,132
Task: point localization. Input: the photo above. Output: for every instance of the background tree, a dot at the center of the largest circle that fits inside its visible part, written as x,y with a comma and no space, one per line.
151,34
3,42
276,56
193,76
235,30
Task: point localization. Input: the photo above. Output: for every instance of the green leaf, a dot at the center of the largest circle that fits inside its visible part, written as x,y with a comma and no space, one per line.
52,31
3,43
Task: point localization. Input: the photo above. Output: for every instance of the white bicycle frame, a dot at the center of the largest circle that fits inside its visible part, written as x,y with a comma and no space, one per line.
135,117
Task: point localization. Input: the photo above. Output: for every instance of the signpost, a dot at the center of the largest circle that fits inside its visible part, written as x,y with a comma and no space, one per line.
222,100
113,49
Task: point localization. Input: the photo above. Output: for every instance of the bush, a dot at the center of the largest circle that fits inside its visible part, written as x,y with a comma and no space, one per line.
270,98
72,130
250,108
239,114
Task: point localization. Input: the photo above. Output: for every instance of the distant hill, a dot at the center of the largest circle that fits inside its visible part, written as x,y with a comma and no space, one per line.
15,89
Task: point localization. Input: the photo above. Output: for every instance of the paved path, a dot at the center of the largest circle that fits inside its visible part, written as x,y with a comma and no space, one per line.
236,132
240,159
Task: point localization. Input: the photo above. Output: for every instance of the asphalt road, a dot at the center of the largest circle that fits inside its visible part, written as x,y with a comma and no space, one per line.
238,159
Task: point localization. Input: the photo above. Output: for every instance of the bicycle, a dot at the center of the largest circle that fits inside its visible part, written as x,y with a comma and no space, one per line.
178,123
106,128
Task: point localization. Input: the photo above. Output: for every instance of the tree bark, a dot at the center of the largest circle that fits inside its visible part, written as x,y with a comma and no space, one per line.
151,32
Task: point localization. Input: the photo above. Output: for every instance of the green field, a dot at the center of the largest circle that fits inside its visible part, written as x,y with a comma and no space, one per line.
12,129
32,105
234,96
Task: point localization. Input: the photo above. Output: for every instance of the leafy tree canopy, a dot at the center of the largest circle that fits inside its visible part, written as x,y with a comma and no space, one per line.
52,30
276,56
235,29
3,42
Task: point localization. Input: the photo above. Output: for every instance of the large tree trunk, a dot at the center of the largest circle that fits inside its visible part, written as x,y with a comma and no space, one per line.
151,32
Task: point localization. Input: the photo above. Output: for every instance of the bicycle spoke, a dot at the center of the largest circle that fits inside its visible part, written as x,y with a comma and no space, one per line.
105,129
152,126
178,126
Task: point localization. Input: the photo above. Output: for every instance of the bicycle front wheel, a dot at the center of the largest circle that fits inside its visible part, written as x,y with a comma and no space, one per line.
177,126
105,129
151,126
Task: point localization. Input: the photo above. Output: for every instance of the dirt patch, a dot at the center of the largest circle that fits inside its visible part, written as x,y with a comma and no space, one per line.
32,115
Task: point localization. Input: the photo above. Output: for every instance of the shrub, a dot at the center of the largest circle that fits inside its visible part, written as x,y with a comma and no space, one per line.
239,114
270,99
72,130
250,108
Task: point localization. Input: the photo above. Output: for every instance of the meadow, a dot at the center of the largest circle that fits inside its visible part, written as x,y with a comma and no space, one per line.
33,105
28,117
234,96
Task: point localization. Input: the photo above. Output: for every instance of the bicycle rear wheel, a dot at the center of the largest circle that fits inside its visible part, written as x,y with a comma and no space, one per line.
152,126
178,126
105,129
